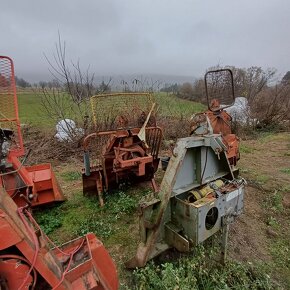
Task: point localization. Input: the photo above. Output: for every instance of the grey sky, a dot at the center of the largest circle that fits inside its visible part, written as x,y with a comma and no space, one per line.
144,36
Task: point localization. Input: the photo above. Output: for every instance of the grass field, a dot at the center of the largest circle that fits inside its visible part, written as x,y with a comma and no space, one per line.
31,110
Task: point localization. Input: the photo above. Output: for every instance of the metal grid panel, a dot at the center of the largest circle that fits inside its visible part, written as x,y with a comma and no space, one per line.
219,86
110,110
9,118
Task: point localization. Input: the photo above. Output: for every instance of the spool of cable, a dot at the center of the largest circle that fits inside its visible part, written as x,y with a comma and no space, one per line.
204,191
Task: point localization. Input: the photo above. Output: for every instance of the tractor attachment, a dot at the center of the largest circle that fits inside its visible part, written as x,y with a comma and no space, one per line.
200,193
219,87
129,154
37,184
27,260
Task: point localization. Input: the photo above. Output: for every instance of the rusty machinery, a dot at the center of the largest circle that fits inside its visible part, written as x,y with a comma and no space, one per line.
127,139
216,118
200,193
37,183
30,260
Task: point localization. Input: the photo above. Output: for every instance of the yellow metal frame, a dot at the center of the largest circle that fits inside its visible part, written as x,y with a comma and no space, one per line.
93,100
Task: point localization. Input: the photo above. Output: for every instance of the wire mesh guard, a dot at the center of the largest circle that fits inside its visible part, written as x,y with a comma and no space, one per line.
120,110
8,104
219,86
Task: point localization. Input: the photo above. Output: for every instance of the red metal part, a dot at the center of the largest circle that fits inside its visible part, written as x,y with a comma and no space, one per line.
124,157
13,271
83,263
37,183
220,121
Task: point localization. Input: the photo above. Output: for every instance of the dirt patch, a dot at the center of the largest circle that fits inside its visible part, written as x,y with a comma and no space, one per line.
262,233
286,200
248,235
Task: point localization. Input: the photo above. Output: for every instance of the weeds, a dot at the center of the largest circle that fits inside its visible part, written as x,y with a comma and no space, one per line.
274,201
120,203
272,222
49,220
285,188
262,179
71,175
246,149
200,272
80,215
101,227
280,250
285,170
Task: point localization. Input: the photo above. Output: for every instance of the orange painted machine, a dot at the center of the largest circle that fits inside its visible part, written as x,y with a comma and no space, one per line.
37,184
27,260
127,149
219,87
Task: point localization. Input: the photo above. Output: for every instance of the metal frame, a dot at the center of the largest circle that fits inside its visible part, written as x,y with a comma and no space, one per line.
206,88
114,162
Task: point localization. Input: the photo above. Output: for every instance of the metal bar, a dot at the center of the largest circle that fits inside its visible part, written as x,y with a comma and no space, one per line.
224,244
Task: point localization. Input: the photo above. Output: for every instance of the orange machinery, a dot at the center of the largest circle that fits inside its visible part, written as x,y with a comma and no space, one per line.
216,120
129,148
27,260
37,184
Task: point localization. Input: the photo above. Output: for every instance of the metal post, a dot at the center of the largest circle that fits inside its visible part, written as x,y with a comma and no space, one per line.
224,244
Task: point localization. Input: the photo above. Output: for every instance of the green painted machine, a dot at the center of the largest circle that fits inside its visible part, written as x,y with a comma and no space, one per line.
200,195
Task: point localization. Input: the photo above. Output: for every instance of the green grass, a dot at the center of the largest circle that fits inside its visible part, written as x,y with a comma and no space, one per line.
272,222
246,149
273,201
31,110
171,105
262,179
200,271
285,170
71,175
80,215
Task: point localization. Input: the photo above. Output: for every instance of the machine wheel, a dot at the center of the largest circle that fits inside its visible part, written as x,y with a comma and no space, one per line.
14,271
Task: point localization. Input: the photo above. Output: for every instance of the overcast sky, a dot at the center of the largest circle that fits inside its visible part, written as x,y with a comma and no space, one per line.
174,37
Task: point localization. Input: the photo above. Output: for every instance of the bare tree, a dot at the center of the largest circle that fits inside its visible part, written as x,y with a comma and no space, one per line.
70,98
272,106
186,91
249,82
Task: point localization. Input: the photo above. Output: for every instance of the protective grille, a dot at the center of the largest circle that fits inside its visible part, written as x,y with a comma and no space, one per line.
220,86
120,110
8,104
123,111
